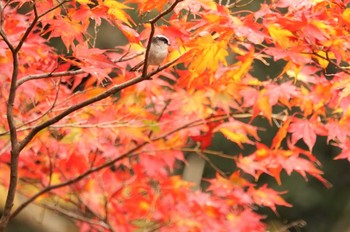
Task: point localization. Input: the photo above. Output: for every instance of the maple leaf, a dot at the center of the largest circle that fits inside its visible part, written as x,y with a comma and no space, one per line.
305,130
249,165
241,68
281,36
248,29
303,166
205,139
122,149
207,56
149,5
252,221
94,61
268,197
233,189
281,134
72,30
338,131
282,93
238,132
117,9
195,5
262,105
345,152
272,162
294,5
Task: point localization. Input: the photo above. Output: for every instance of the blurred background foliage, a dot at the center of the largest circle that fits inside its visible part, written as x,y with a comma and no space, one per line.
322,209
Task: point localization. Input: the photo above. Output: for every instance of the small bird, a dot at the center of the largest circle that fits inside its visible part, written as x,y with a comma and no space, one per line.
157,52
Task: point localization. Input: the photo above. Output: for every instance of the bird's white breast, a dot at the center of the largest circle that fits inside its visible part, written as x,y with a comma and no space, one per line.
157,54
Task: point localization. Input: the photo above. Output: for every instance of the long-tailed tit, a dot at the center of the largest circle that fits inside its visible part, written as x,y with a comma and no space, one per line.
157,52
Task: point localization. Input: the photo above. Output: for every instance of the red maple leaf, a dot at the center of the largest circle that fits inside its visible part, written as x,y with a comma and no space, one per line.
205,139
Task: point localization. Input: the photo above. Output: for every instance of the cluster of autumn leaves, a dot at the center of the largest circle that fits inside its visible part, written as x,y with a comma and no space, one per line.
125,147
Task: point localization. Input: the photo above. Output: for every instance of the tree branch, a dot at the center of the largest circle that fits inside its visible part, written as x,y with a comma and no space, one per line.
52,9
2,33
20,146
11,192
48,75
29,29
106,94
15,146
113,90
343,69
74,180
78,217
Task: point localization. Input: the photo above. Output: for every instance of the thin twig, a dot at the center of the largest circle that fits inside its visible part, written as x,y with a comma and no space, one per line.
47,111
237,5
48,75
2,32
70,214
70,72
295,224
209,152
74,180
52,9
343,69
160,115
113,90
29,29
199,153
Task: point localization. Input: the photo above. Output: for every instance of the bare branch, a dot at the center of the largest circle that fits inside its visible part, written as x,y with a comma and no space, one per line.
72,215
211,163
29,29
52,9
11,192
160,115
2,33
296,224
48,75
68,73
209,152
343,69
15,146
74,180
47,111
107,93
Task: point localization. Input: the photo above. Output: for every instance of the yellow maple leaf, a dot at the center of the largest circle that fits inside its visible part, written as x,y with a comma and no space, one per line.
208,54
281,134
243,65
346,15
117,9
237,138
263,105
85,2
322,58
281,36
